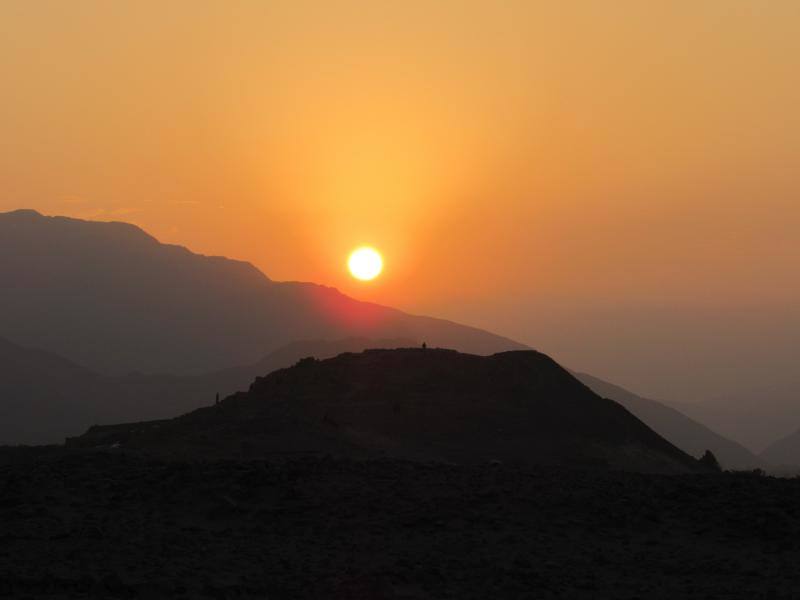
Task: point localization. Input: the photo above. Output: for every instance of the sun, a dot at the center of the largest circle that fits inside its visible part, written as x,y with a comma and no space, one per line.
365,263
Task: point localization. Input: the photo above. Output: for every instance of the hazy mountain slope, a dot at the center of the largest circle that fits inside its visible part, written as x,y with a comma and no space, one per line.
784,452
111,297
688,435
419,404
42,395
756,417
44,398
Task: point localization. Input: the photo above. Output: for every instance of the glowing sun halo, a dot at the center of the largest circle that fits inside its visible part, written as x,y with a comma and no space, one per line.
365,263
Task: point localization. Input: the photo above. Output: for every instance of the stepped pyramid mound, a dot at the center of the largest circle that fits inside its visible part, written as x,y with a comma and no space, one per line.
421,404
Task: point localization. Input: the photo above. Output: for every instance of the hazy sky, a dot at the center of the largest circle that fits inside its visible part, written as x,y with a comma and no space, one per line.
614,183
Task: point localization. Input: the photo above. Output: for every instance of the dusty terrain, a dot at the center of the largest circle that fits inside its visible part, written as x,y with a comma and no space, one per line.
80,524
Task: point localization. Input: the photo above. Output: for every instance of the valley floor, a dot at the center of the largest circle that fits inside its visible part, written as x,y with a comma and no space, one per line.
106,525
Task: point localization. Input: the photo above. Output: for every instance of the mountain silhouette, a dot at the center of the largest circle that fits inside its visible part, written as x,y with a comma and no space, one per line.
755,416
785,452
112,298
688,435
45,398
416,404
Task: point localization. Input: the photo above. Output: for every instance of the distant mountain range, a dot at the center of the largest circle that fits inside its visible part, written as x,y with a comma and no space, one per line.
756,417
416,404
44,397
112,298
785,452
688,435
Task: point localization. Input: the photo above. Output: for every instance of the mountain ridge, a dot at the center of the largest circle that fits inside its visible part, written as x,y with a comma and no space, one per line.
113,298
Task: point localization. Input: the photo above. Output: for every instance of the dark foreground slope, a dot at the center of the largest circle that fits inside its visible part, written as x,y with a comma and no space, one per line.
111,525
687,434
418,404
110,297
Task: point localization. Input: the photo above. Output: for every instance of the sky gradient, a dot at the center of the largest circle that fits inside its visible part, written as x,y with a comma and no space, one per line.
613,183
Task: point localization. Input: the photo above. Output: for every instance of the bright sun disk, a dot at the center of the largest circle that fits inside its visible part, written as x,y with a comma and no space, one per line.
365,263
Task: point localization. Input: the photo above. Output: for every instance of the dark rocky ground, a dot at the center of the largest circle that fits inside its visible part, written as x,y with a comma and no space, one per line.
113,525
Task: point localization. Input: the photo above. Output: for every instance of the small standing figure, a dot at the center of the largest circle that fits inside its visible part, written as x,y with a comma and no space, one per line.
216,400
424,345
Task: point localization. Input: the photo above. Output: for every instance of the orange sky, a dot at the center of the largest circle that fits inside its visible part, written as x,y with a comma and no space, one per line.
592,178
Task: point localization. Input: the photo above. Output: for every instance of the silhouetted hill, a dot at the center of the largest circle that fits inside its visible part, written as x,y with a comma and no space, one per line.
418,404
45,398
688,435
784,452
112,298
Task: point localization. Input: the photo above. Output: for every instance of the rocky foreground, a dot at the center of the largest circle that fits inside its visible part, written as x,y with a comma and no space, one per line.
90,524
